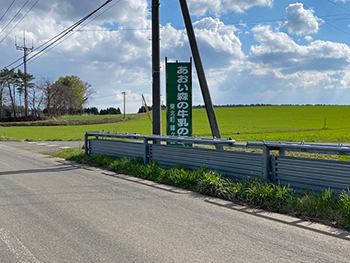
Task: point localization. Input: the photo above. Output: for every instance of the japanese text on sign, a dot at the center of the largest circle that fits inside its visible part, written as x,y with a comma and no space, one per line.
179,99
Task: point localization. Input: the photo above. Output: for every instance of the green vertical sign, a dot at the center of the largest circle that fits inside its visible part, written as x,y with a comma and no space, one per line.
179,98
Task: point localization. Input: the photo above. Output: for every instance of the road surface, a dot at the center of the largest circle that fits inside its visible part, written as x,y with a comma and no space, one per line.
52,210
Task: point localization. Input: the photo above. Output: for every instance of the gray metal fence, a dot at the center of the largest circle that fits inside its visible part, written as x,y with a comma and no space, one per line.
299,173
316,174
230,163
116,148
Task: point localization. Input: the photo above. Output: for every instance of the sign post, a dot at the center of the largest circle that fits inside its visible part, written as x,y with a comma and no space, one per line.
179,98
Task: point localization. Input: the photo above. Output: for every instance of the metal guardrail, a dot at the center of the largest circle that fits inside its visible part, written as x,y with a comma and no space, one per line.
299,173
338,149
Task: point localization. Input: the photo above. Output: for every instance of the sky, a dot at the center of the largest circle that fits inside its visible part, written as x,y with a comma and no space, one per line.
256,51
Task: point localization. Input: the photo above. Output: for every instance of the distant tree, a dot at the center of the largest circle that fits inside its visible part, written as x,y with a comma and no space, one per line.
143,109
2,95
92,110
64,100
24,82
48,92
36,99
9,80
82,91
110,111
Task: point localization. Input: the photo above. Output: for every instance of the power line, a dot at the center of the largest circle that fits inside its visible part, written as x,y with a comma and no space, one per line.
7,10
19,21
61,35
342,7
58,43
101,13
111,30
334,17
14,16
71,28
340,30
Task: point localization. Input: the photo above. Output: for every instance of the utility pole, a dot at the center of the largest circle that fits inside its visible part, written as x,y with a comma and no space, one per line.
200,71
157,129
124,102
26,51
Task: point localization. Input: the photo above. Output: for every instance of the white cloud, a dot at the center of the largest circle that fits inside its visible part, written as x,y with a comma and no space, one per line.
308,38
201,7
318,66
217,42
65,11
274,69
279,51
301,21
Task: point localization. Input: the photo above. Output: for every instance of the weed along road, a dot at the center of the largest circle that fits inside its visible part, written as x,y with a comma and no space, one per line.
52,210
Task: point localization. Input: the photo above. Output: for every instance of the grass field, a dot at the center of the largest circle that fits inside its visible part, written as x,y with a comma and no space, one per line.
272,123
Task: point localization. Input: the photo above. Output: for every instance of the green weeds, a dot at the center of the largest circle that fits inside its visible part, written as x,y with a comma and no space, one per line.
5,138
323,207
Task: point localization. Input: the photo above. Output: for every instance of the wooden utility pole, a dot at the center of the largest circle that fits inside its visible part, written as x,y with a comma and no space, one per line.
156,108
200,71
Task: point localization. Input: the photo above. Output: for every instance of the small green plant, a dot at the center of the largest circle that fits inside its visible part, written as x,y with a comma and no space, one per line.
5,138
345,206
212,184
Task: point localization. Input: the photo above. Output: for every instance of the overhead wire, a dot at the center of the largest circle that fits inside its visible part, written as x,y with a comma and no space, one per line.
69,30
73,32
64,35
328,23
7,10
342,7
19,21
14,16
59,36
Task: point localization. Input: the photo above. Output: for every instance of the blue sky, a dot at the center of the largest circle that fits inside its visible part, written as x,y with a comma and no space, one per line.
257,51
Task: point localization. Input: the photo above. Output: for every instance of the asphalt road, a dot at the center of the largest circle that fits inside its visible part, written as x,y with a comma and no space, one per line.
52,210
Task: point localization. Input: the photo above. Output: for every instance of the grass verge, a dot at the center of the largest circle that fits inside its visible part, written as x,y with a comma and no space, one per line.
324,207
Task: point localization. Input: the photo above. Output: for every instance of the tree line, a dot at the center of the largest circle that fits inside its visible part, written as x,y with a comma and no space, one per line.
21,97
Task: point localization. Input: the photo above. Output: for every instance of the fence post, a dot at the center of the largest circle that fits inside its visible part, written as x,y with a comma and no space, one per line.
86,144
266,163
273,169
282,152
146,153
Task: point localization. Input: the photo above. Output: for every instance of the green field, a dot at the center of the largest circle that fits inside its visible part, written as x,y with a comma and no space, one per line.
272,123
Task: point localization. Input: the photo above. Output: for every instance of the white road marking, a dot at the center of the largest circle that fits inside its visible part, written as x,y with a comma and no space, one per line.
49,145
15,246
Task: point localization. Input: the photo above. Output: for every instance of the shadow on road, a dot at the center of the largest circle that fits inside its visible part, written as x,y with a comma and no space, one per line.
59,168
